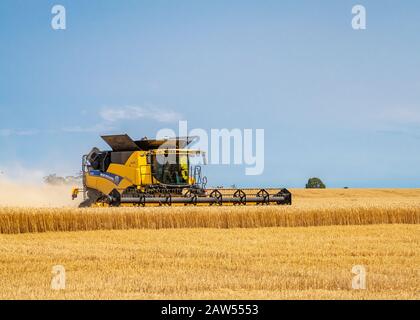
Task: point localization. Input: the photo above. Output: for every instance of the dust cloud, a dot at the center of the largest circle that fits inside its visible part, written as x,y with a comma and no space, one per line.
19,194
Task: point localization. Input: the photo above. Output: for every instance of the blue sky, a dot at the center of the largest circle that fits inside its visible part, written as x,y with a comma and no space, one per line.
336,103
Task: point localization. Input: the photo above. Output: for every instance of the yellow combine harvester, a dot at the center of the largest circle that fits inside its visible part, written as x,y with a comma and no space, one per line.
157,172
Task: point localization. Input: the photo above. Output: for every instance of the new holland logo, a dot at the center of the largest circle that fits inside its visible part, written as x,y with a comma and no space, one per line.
109,176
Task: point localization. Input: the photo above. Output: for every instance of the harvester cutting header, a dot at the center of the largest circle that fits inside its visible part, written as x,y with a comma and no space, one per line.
158,172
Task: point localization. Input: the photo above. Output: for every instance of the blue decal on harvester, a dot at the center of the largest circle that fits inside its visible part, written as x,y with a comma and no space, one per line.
109,176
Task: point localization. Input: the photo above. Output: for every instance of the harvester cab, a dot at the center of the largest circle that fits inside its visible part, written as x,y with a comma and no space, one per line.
156,172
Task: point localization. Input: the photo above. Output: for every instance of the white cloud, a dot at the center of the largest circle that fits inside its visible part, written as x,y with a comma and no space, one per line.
135,112
109,115
12,132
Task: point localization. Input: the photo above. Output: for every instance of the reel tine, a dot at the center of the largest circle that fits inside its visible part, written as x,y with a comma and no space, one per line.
265,197
240,196
216,195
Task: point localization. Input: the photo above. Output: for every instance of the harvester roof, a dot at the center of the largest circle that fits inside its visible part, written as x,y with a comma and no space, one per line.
122,142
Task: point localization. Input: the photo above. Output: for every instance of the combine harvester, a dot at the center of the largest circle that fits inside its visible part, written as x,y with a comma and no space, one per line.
156,173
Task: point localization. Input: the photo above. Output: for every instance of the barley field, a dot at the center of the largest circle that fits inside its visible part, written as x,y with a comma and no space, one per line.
258,263
310,208
303,251
53,220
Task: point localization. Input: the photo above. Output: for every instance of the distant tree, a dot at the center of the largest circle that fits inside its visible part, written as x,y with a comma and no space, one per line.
70,180
53,179
315,183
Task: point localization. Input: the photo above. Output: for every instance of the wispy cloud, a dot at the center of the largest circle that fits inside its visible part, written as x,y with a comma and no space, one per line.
402,121
113,114
110,116
99,127
14,132
401,115
393,132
